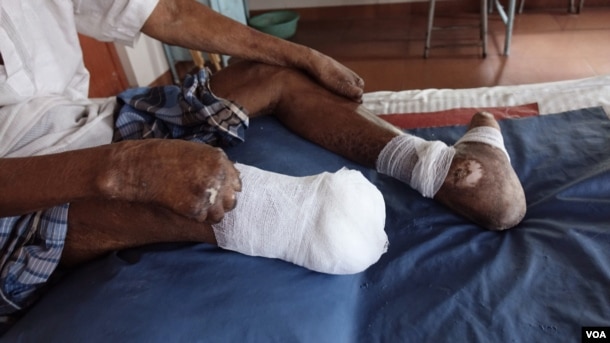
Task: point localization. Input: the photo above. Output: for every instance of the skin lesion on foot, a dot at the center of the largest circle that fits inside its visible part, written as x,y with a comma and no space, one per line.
482,185
466,174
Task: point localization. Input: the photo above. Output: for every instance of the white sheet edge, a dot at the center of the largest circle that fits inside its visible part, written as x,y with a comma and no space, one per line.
552,97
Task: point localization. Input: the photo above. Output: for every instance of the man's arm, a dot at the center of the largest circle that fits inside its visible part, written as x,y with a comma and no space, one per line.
193,180
192,25
29,184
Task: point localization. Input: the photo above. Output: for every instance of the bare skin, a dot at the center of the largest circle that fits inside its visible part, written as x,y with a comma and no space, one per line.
168,190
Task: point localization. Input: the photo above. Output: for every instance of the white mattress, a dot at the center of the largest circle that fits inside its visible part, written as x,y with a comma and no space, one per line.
552,97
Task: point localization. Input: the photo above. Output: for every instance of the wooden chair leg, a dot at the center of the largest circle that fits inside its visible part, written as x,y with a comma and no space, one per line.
215,59
199,61
197,58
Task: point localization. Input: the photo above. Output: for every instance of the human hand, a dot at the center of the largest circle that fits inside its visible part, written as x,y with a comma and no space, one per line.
336,77
192,179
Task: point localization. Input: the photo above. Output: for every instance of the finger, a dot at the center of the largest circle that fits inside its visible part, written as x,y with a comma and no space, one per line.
235,179
197,210
360,82
352,92
215,214
358,94
229,201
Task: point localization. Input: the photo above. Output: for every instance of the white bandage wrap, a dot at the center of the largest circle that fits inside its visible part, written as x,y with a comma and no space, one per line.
331,222
487,135
422,164
425,164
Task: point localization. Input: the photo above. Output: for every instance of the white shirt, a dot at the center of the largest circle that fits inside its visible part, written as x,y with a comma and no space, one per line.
44,83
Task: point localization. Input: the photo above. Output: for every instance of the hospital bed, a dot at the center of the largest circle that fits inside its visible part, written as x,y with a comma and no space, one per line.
443,278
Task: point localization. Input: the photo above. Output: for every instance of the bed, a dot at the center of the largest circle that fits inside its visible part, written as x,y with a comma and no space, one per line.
443,278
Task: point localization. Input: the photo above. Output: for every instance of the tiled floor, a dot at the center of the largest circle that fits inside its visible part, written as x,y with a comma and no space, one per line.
547,45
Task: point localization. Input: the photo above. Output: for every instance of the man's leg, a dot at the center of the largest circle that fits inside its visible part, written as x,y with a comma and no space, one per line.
480,183
99,226
330,223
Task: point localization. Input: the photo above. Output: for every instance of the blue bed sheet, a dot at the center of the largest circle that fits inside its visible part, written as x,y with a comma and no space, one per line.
443,279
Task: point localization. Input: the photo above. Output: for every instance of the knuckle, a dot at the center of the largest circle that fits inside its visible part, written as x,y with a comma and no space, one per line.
195,209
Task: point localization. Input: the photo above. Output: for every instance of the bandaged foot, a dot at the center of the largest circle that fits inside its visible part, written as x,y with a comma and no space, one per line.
330,223
474,177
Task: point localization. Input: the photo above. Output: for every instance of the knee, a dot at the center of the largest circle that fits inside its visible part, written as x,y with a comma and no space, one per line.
257,86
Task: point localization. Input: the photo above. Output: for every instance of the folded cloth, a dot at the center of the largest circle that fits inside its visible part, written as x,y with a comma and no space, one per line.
191,112
31,249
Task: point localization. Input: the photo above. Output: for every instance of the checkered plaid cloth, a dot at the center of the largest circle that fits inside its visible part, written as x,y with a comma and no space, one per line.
192,113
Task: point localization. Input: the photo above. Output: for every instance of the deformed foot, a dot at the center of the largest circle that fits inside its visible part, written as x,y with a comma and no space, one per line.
481,184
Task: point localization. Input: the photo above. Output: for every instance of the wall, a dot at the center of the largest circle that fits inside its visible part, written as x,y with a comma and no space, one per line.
144,62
